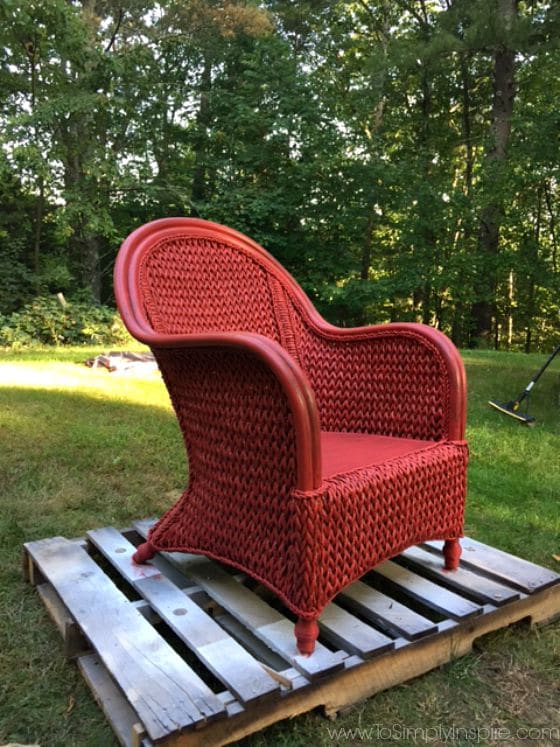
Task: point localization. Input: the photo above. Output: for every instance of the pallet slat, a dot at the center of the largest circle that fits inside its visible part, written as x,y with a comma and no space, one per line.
221,653
117,710
73,640
386,612
351,634
262,620
167,695
462,580
253,644
500,565
427,592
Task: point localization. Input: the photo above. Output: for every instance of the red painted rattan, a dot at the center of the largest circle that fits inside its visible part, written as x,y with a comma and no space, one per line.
254,373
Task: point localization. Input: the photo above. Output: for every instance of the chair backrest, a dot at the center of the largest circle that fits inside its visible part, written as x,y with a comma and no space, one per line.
194,276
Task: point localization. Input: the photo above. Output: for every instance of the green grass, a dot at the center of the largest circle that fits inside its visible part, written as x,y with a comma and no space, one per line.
84,448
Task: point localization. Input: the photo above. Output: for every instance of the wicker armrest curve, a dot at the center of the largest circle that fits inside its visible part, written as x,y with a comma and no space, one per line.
290,376
333,342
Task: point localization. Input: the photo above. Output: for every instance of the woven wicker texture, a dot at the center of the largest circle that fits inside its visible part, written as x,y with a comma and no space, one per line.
393,384
243,504
201,286
239,437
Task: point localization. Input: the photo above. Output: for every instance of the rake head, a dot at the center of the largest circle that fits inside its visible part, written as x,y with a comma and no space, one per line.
511,408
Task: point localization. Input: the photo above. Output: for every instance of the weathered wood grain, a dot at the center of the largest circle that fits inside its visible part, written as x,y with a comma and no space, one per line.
221,653
266,623
461,580
500,565
351,634
167,695
387,613
427,592
73,641
118,711
262,620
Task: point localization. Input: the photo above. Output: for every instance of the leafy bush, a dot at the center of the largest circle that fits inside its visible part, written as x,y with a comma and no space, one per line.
45,321
16,280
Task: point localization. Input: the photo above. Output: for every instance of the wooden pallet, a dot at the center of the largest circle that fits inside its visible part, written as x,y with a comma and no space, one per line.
187,652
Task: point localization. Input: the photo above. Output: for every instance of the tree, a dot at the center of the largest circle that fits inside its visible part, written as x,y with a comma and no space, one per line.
399,158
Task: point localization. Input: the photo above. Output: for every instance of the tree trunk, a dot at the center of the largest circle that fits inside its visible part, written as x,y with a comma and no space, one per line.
366,247
459,333
483,310
429,248
365,259
84,244
466,121
91,272
381,30
199,192
32,54
38,229
528,339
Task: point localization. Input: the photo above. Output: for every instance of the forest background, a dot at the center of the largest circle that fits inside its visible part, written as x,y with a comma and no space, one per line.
399,157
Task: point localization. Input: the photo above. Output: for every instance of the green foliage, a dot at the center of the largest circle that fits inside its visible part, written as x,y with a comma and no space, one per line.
44,320
16,280
355,140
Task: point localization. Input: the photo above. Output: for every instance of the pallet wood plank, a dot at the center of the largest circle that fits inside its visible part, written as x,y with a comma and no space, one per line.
253,644
386,612
263,620
351,634
117,710
221,653
266,623
462,580
30,571
167,695
427,592
521,574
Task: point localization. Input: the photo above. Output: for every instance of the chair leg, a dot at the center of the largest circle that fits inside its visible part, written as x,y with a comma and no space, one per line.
452,553
306,632
144,552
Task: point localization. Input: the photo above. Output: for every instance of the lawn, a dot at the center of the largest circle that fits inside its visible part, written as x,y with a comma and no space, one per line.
84,448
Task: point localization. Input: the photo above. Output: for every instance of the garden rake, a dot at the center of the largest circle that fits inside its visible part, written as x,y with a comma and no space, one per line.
512,407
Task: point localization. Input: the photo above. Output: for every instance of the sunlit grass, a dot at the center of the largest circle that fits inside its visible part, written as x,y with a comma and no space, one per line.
83,448
514,475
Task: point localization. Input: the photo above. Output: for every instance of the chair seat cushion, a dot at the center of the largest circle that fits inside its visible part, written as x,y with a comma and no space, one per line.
345,452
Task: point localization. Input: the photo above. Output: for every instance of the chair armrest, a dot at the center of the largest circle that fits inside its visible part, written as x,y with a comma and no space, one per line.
252,348
279,367
400,379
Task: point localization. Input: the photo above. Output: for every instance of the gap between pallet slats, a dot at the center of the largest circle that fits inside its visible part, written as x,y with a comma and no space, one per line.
261,619
467,582
501,566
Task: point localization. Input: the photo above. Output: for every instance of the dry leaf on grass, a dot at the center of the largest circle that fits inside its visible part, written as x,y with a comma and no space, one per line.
71,704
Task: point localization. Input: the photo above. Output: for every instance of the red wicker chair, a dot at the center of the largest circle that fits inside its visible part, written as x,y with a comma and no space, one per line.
314,452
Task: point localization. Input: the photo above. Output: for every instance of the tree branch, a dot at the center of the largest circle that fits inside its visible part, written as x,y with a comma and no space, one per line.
115,31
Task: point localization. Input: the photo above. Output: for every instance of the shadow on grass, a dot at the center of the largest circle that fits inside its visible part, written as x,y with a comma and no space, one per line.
72,461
